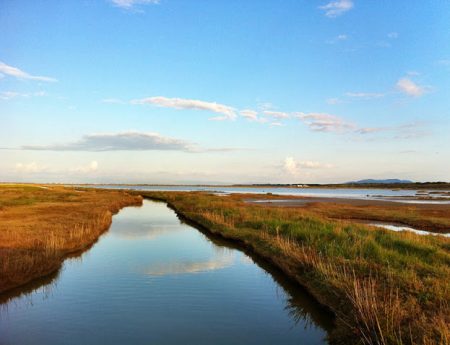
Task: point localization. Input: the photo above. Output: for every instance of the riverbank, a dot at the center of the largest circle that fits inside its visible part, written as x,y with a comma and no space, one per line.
41,225
384,287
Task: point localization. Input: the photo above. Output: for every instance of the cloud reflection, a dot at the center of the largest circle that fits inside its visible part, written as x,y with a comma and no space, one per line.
189,267
147,232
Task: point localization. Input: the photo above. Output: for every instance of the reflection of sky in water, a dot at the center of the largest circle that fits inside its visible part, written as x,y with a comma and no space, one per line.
394,195
394,227
167,283
216,263
145,231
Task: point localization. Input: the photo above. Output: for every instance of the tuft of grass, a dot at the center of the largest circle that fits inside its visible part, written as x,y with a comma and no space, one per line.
384,287
40,225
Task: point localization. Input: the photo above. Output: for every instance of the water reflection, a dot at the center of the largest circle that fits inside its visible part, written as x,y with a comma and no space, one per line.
399,227
145,231
42,286
216,263
167,284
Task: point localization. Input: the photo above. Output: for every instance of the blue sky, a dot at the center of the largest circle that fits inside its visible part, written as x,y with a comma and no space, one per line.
177,91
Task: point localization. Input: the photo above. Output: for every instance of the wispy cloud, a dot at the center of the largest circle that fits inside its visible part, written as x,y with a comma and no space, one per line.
338,38
227,112
126,141
365,95
19,74
412,130
322,122
336,8
334,101
7,95
410,88
392,35
294,167
129,4
276,114
249,114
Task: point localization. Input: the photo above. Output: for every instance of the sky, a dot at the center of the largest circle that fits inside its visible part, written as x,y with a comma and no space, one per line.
227,91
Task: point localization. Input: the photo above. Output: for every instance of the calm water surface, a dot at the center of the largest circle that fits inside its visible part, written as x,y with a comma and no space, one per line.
154,280
399,195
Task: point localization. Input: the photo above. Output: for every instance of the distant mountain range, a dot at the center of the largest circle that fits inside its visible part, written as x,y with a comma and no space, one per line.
387,181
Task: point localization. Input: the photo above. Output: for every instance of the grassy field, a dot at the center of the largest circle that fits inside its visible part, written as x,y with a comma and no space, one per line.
384,287
431,217
41,225
435,218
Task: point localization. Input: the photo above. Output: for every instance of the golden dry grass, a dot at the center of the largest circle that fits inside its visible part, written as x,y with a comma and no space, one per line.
430,217
40,225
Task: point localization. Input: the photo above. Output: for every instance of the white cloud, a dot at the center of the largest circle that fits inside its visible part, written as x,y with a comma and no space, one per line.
19,74
365,95
91,167
128,4
408,87
290,166
342,37
314,165
294,167
369,130
322,122
336,8
125,141
249,114
276,114
7,95
227,112
32,167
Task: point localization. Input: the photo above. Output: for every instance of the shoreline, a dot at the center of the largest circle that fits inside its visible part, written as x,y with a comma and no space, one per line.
430,186
354,209
283,266
57,239
321,261
327,281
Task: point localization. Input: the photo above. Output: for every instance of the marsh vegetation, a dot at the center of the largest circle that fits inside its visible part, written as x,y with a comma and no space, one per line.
40,225
384,287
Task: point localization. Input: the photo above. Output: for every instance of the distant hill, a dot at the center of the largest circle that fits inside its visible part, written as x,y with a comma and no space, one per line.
387,181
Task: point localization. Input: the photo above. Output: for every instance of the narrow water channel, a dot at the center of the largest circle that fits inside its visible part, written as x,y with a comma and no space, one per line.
152,279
